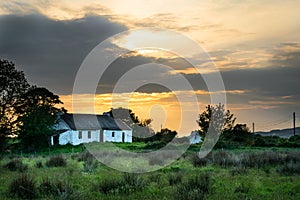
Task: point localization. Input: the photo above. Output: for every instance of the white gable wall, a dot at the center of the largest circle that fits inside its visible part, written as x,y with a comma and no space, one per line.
61,125
65,138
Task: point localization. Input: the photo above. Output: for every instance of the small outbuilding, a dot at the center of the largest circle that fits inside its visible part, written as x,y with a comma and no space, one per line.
195,137
76,129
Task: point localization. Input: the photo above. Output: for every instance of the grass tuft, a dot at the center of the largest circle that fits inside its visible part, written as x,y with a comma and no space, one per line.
175,178
16,165
56,161
23,187
289,169
128,184
195,188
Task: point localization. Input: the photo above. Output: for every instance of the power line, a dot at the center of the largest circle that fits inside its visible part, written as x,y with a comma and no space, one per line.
264,126
274,121
287,119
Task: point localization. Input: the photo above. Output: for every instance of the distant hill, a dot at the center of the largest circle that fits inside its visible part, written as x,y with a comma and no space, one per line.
284,133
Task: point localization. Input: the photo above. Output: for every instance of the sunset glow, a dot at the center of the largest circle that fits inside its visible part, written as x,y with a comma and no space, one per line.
255,45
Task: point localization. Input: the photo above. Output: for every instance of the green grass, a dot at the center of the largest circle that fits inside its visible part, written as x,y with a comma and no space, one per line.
264,182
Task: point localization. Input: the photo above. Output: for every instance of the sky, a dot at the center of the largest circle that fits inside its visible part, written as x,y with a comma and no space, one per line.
254,45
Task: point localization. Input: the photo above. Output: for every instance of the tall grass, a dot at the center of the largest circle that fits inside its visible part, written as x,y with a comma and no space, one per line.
195,188
23,187
127,184
290,168
175,178
56,161
262,160
16,165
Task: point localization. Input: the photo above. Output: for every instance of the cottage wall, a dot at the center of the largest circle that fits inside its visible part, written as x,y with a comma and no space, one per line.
108,135
72,136
65,138
75,140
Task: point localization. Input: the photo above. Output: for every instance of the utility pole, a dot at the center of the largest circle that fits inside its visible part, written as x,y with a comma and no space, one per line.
294,122
253,127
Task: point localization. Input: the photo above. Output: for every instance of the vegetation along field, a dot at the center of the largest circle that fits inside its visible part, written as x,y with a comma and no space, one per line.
72,173
243,165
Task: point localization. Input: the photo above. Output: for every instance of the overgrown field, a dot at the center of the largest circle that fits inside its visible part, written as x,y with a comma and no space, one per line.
224,174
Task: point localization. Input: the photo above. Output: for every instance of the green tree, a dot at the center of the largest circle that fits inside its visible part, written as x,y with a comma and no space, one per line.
239,135
38,115
216,119
126,115
13,84
165,135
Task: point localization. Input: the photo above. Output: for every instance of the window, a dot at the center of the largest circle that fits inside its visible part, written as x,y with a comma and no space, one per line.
80,135
113,134
89,134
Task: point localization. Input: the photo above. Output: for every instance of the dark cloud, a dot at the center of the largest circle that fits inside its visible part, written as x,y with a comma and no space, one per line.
154,72
279,78
50,51
272,82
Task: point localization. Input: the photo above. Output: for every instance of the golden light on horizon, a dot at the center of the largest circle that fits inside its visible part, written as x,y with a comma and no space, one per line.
163,108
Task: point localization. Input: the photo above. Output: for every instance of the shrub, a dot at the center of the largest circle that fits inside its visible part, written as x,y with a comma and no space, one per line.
85,156
198,162
289,169
16,165
242,188
64,189
293,157
39,164
195,188
238,171
23,187
262,159
155,145
154,177
133,182
60,189
110,186
129,183
47,187
75,157
223,159
90,165
175,178
275,141
56,161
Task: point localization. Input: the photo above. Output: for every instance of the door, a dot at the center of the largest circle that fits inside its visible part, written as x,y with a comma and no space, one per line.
56,139
101,136
123,137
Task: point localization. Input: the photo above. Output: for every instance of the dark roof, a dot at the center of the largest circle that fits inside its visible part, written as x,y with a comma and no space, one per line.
92,122
122,124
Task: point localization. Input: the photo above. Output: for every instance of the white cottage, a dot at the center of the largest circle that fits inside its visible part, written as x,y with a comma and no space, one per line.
195,137
84,128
